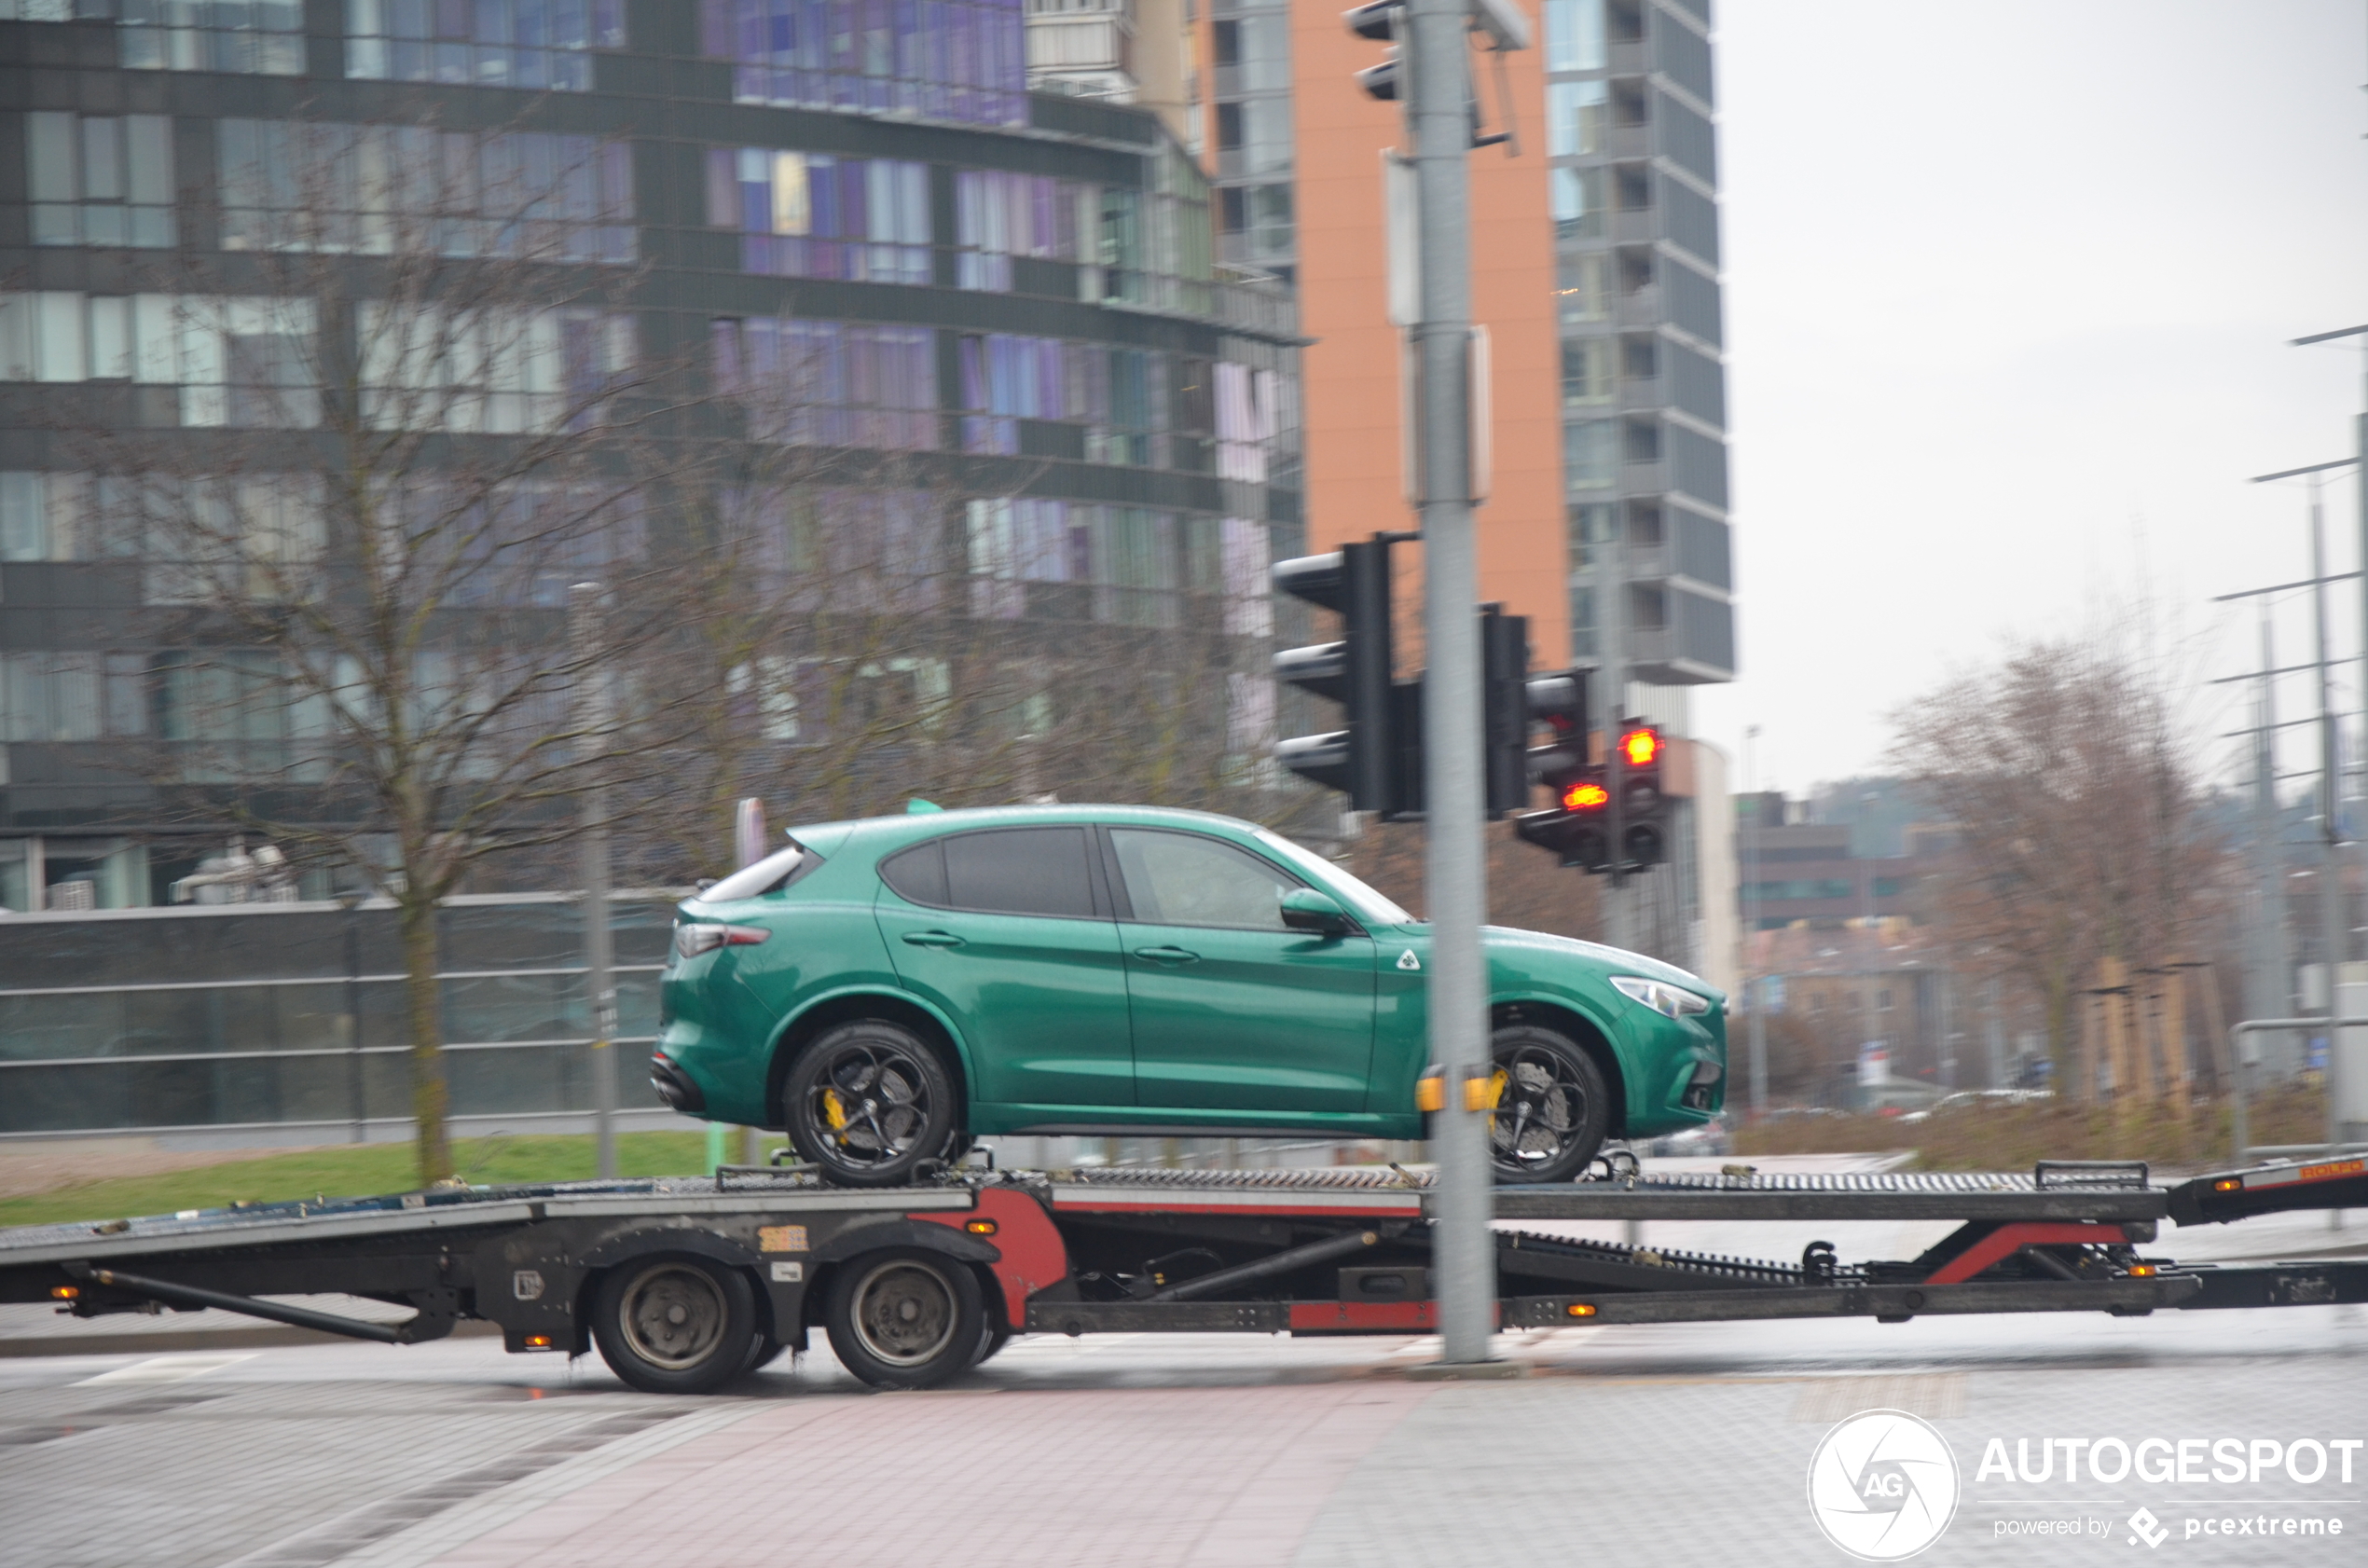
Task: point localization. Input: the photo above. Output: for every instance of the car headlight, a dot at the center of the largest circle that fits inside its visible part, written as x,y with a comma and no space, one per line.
1669,1000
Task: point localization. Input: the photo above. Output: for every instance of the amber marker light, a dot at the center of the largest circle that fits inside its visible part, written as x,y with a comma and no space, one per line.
2227,1184
2142,1271
537,1341
979,1227
65,1293
1581,1309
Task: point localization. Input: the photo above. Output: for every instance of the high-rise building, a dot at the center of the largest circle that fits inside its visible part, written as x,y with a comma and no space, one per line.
997,307
1595,257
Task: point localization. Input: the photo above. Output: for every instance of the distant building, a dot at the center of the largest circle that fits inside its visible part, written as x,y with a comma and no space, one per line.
1795,870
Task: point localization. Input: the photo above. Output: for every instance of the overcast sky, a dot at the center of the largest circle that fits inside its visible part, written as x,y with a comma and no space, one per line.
2009,286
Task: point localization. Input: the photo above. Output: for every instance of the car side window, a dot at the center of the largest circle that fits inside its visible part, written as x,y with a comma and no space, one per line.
999,870
1183,879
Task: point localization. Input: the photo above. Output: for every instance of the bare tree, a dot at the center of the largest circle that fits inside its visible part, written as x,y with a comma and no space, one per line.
2077,812
413,409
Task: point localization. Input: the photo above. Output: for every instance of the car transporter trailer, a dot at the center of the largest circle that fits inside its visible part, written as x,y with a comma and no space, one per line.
686,1284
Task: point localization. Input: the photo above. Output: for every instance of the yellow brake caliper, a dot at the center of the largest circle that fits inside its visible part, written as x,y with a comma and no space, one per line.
835,1112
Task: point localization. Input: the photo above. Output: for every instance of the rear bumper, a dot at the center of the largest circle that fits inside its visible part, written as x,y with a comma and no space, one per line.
676,1087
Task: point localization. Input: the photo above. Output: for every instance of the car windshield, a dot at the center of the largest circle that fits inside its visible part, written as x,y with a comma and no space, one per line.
1365,900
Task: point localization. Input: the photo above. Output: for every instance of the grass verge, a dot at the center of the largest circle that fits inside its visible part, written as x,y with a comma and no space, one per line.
355,1172
2014,1137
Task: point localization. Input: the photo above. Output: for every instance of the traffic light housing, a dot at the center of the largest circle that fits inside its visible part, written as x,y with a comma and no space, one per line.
1578,827
1505,709
1381,22
1643,808
1362,758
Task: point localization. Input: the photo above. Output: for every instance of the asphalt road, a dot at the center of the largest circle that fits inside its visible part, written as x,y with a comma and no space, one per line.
1674,1445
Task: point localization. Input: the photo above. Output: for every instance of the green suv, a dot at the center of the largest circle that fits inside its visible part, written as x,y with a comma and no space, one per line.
885,990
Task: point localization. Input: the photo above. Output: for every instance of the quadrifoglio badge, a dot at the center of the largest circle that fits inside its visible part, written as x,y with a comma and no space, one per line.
1884,1485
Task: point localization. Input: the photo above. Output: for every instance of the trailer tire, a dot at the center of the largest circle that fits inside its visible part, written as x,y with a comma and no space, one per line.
674,1323
905,1317
869,1102
764,1351
1552,1113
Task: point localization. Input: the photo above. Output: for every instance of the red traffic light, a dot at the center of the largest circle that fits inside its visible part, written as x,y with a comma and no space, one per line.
1641,747
1586,795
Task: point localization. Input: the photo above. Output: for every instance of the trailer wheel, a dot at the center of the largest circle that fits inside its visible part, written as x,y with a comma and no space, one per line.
764,1351
870,1102
671,1323
1553,1110
903,1317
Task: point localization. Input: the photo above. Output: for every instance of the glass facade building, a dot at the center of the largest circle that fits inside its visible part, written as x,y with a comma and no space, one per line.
1633,184
852,216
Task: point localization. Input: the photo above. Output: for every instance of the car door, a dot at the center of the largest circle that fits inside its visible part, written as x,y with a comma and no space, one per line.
1232,1010
1009,931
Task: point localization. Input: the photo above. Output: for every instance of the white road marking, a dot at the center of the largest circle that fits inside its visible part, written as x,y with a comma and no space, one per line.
168,1369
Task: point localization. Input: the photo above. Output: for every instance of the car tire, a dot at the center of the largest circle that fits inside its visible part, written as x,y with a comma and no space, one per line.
869,1103
905,1317
1553,1111
674,1323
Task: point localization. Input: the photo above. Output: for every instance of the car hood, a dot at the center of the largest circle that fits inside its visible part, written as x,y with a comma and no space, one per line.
1610,960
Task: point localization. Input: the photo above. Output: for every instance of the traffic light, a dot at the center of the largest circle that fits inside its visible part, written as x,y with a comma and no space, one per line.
1578,827
1379,22
1505,709
1636,767
1361,760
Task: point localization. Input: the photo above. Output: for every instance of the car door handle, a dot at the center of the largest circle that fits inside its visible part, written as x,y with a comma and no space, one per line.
1168,954
934,939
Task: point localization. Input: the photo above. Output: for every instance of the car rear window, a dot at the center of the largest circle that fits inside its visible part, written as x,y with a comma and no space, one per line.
999,870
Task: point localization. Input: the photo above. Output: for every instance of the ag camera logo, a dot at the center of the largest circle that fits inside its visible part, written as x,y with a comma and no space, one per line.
1883,1485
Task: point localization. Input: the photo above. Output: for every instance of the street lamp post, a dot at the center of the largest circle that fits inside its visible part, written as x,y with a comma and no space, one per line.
1757,997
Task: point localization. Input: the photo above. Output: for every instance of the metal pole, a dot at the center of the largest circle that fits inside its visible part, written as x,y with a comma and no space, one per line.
2277,994
584,601
2333,920
1438,117
354,1087
1757,999
2240,1043
1620,920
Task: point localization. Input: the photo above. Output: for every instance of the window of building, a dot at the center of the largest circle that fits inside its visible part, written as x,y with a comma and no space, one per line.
1575,118
1586,526
1855,1002
1225,47
1641,441
1578,203
1229,119
1883,1001
1587,372
1273,231
373,190
1581,287
490,372
1817,1001
100,179
999,215
949,59
813,216
247,362
1590,454
253,37
1573,35
832,383
537,44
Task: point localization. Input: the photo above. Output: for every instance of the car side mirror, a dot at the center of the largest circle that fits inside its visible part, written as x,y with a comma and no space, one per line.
1304,909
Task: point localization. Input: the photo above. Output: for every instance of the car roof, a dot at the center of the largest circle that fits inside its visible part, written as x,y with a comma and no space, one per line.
928,824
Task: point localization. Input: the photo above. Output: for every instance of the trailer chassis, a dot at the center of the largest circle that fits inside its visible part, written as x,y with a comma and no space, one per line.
684,1284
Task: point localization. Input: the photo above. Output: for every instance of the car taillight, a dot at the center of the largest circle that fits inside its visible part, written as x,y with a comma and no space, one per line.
690,941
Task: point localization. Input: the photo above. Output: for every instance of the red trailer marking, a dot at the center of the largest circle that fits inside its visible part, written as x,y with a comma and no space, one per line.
1034,1254
1286,1211
2008,1240
1316,1317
